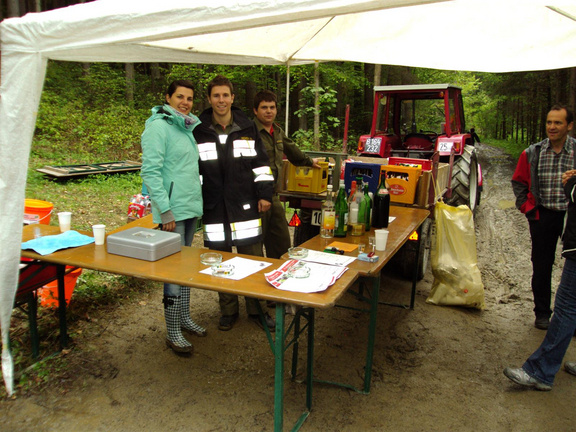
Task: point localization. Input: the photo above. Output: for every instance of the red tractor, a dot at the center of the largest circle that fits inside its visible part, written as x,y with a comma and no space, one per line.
420,123
416,121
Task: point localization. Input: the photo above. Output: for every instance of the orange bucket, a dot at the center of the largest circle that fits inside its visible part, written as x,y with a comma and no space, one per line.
49,293
36,211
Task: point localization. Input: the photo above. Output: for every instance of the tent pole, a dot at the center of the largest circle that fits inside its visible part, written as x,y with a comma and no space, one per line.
287,98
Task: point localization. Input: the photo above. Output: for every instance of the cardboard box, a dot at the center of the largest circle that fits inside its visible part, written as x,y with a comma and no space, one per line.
425,183
307,179
144,243
402,182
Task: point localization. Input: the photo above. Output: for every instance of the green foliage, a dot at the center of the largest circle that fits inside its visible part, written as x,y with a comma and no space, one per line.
101,198
512,148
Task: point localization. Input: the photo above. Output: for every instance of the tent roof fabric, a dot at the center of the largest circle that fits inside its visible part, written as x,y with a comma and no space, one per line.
478,35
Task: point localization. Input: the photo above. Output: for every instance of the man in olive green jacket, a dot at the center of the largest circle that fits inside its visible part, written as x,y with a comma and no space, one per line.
275,227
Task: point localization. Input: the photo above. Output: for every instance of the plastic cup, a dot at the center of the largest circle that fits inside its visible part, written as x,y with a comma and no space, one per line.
64,219
361,247
381,237
99,234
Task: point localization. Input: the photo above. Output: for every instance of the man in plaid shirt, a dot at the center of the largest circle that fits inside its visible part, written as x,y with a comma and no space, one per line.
537,184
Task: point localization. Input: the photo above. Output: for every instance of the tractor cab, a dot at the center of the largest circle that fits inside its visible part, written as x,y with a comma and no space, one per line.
415,121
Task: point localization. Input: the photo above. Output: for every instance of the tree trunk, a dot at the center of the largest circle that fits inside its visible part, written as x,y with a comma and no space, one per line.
13,9
368,102
302,120
250,91
156,77
317,106
129,74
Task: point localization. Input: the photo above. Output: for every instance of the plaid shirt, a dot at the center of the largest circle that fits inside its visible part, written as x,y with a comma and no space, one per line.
551,166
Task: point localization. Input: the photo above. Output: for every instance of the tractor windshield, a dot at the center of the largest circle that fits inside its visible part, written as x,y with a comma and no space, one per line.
421,116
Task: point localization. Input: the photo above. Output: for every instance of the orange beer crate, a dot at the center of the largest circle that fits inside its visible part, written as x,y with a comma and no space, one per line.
402,181
307,179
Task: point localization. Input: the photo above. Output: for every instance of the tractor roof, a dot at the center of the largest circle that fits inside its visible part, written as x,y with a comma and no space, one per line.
416,87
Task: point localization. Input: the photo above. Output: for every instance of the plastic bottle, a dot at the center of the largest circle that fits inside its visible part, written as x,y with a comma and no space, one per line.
328,216
352,215
365,208
381,205
341,208
355,224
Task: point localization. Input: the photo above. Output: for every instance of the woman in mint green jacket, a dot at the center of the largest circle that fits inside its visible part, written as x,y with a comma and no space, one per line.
170,173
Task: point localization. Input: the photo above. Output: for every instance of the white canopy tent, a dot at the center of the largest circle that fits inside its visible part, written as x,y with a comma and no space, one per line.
479,35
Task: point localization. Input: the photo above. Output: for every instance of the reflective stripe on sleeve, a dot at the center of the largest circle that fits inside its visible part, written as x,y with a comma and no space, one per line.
214,232
263,173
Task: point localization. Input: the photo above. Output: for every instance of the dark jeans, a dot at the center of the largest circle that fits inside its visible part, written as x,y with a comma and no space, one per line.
229,302
545,233
275,228
186,228
547,359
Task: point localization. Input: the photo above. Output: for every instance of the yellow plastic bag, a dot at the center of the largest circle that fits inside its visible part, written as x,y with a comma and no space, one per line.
457,279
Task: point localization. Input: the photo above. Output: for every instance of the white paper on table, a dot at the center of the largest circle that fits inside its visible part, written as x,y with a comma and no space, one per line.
321,277
243,267
328,258
391,218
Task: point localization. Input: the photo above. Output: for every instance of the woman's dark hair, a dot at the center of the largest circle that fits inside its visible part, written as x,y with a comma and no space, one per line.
179,83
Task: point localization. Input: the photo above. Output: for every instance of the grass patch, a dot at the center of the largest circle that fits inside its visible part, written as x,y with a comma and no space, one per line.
512,148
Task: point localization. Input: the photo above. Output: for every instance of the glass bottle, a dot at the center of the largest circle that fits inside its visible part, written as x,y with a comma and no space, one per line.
328,216
355,224
365,208
381,205
341,208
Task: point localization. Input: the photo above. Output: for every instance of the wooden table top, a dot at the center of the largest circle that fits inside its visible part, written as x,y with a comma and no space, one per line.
407,220
184,268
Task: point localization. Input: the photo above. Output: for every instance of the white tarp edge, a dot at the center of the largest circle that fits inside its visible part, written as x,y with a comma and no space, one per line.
481,35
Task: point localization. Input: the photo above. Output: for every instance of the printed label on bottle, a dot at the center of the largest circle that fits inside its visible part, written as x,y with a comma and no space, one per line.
329,220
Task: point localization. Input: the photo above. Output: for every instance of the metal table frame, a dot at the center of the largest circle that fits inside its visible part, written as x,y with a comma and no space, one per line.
183,269
407,220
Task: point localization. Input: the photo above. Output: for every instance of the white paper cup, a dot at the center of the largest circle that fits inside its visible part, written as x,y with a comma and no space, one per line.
99,234
64,219
381,239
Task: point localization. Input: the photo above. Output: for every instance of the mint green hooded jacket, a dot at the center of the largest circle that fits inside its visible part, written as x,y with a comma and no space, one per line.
170,165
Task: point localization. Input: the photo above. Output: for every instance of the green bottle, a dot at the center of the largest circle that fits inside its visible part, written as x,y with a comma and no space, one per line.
365,209
341,208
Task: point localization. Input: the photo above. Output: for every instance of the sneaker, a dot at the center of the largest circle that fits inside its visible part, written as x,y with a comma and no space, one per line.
270,323
570,367
227,322
519,376
542,323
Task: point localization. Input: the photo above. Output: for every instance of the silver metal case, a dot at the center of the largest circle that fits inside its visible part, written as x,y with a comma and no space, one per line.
144,243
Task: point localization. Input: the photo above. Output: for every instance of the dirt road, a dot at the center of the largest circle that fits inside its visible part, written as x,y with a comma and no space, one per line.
435,369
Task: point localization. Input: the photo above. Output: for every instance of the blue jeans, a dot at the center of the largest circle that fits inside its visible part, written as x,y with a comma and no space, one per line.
545,362
186,228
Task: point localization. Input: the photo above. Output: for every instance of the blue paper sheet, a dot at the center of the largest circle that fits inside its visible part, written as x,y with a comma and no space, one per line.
49,244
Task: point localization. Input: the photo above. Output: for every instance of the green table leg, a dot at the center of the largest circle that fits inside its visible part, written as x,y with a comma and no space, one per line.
279,368
371,333
61,269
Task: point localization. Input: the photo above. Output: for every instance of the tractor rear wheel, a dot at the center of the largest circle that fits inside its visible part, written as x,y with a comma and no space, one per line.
465,180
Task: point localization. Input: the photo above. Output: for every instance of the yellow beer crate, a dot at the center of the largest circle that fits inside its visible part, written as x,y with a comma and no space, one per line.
307,179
